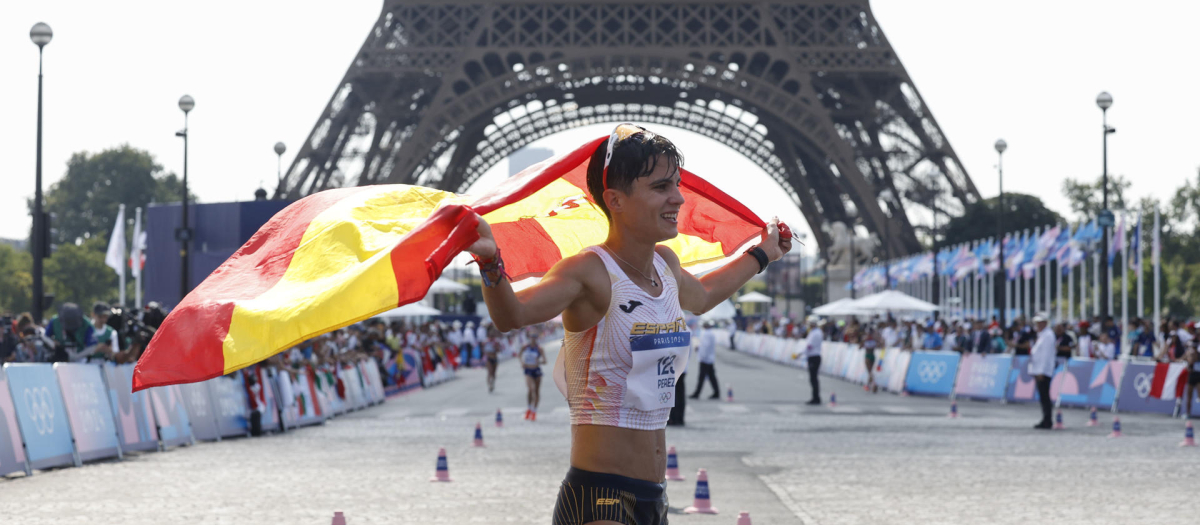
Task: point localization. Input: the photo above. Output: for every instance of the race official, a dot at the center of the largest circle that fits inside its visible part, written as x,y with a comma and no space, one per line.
812,353
1041,366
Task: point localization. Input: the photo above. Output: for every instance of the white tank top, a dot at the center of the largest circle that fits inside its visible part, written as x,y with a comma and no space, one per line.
622,371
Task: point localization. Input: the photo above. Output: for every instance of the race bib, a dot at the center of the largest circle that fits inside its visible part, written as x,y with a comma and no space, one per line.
658,360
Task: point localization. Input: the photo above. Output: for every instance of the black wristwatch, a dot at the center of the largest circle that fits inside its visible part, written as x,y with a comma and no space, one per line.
760,256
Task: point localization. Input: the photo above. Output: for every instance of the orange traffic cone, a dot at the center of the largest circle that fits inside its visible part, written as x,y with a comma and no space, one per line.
338,519
443,468
478,435
1116,431
1189,436
673,466
701,504
743,518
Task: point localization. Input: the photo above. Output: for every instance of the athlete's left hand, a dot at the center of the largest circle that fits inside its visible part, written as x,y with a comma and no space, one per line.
774,244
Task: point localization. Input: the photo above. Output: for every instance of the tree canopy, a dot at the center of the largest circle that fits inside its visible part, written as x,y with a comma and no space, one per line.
85,201
978,221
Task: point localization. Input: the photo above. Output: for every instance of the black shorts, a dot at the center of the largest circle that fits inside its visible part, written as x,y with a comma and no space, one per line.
534,372
585,497
1193,377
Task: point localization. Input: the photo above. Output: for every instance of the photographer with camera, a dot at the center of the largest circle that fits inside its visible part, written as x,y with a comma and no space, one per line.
108,340
68,337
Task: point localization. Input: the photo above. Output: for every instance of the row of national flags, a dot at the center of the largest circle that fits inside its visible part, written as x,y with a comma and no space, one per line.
1024,253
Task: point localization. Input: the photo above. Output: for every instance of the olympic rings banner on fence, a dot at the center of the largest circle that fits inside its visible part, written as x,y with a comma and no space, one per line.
1135,391
132,412
932,372
983,376
12,452
40,414
88,410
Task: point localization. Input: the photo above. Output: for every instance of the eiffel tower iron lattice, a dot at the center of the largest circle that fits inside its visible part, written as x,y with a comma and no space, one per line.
809,90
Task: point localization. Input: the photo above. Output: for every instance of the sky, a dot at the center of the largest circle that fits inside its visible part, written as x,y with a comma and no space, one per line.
261,72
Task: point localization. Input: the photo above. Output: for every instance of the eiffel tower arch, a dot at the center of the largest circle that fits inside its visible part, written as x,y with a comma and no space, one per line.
809,90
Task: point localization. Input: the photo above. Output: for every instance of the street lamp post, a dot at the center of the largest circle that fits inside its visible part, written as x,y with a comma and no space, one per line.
184,234
40,34
1000,147
279,149
803,293
1104,101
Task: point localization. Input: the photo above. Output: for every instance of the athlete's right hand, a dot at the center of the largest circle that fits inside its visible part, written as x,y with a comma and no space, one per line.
484,248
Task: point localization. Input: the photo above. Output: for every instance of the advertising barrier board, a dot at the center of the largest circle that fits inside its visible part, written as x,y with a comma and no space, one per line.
12,449
88,410
170,415
133,414
931,372
1135,391
230,404
983,376
41,415
198,402
1087,383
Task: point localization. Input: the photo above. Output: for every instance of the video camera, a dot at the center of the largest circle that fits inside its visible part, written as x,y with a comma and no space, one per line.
127,326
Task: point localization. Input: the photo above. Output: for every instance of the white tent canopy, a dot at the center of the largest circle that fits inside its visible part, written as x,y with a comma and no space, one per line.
409,310
891,301
720,312
754,297
444,285
843,306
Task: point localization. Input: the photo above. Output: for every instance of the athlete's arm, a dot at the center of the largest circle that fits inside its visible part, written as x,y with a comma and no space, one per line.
699,295
561,287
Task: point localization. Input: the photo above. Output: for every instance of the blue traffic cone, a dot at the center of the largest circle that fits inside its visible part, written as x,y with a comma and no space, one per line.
1058,421
499,418
478,435
1116,431
1092,420
953,410
443,467
832,399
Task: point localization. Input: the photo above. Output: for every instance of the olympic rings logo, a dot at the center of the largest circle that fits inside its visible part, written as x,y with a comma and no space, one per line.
41,411
1142,384
665,396
931,371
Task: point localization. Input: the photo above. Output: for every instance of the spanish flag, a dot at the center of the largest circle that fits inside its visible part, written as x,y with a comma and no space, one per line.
340,256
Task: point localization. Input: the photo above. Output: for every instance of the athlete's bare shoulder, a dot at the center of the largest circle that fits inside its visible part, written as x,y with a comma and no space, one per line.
587,308
671,258
585,267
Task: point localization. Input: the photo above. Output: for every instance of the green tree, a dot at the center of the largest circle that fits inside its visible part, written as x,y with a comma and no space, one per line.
1086,198
85,201
16,281
978,221
77,273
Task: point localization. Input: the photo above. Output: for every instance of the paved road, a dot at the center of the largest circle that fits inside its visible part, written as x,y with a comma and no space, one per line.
873,459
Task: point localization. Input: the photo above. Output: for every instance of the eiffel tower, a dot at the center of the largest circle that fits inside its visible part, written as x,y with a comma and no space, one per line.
809,90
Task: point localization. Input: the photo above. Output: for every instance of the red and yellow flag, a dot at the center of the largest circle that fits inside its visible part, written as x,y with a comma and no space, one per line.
340,256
